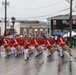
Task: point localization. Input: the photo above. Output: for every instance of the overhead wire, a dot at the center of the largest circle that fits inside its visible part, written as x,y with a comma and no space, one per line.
38,7
46,15
1,9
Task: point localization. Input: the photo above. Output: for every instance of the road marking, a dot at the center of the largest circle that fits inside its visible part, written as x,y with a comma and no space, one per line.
71,59
15,68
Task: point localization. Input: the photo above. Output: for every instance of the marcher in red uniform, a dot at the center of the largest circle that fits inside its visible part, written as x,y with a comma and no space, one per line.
5,43
11,41
61,41
32,44
49,44
15,44
21,42
26,52
37,43
1,40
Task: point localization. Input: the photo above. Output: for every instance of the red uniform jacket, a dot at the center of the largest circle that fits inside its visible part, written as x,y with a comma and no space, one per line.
27,46
61,41
11,42
37,42
5,43
16,42
49,43
21,42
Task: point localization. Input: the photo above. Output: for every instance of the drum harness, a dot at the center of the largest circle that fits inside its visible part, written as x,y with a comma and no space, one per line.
48,43
5,42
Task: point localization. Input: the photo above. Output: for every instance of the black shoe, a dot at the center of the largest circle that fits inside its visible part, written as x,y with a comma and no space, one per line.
36,55
49,56
62,56
7,55
25,59
41,53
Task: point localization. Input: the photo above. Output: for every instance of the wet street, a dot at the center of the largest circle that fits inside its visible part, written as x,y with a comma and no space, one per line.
41,65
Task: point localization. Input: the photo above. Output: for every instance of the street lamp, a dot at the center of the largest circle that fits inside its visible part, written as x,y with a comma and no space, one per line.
13,22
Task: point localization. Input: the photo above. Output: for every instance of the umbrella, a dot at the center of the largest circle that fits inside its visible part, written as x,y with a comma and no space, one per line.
58,33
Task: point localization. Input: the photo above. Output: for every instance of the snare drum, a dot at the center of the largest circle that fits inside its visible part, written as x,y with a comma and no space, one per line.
18,47
38,48
65,47
52,50
8,49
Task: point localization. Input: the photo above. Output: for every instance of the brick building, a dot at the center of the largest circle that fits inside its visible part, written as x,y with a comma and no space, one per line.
26,27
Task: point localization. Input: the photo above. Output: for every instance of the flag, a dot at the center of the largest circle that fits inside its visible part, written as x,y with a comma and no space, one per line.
8,23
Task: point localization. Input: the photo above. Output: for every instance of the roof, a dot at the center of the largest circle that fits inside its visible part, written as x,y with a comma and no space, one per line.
62,17
30,21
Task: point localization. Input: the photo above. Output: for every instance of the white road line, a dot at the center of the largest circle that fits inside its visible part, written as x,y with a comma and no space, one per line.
71,59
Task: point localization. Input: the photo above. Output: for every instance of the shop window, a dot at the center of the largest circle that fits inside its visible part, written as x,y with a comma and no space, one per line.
54,22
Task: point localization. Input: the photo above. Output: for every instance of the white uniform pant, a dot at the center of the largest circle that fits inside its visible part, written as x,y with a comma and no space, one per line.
7,53
12,50
16,51
48,52
26,54
37,53
22,50
33,49
61,52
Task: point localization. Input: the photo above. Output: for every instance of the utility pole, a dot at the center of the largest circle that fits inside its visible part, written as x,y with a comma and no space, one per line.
70,20
5,16
5,3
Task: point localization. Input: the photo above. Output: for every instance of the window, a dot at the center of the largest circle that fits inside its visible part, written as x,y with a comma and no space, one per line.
64,22
54,22
67,22
74,22
25,31
30,31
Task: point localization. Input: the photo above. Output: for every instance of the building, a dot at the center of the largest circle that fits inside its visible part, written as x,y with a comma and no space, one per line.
26,27
33,27
9,27
61,22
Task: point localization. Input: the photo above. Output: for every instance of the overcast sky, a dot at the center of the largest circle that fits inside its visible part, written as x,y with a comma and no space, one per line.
35,9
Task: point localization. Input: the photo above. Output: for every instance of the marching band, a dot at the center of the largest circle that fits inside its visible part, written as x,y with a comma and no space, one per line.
33,45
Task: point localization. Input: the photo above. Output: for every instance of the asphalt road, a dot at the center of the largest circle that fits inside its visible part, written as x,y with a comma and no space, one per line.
41,65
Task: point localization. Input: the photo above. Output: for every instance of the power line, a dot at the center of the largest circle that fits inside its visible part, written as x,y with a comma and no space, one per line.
38,7
46,15
1,9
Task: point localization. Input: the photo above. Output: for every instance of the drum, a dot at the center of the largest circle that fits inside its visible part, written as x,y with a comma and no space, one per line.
18,47
38,48
8,49
52,50
65,47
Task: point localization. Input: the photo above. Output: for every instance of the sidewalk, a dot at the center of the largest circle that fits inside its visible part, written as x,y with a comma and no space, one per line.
73,51
2,52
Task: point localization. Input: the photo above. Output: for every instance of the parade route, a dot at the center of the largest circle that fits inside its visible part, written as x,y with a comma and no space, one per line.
41,65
